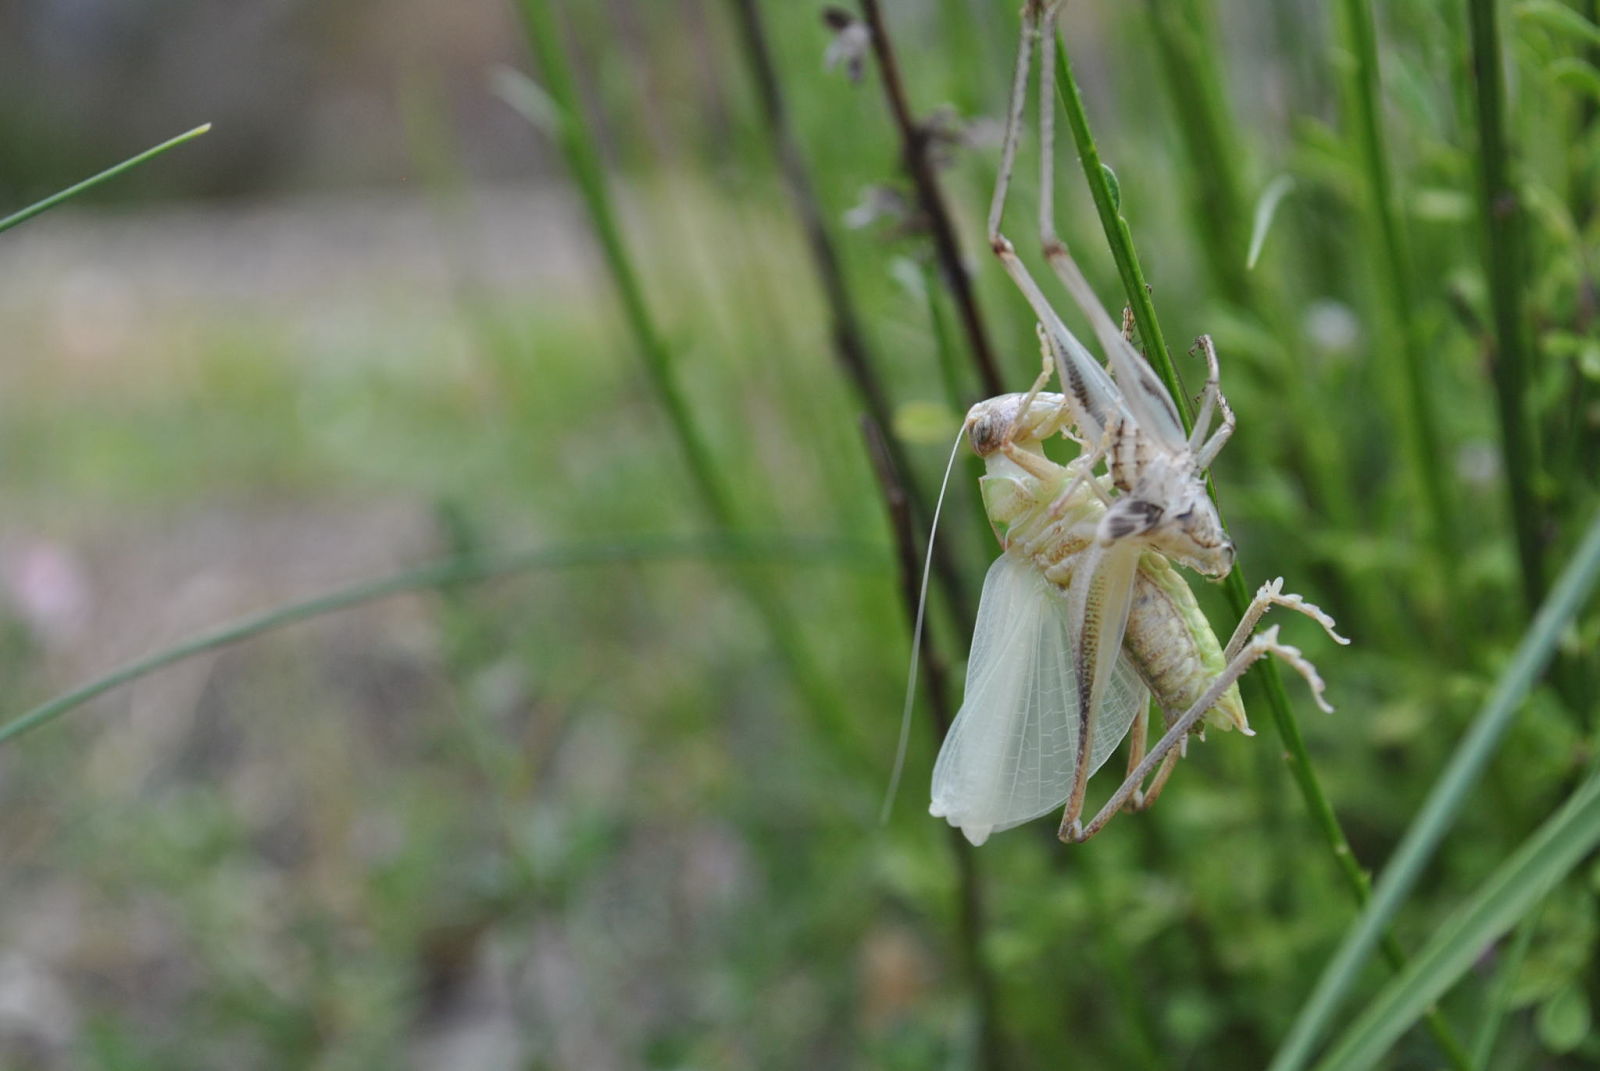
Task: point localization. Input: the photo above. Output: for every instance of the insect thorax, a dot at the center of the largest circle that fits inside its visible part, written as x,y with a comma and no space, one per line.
1018,504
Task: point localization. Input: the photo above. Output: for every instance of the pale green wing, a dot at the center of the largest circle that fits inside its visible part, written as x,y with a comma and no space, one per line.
1011,754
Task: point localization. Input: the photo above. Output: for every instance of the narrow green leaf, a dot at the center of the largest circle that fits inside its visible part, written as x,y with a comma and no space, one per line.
1498,1002
447,573
1449,793
1563,1020
1511,892
1558,17
528,99
1575,74
90,183
1113,187
1266,212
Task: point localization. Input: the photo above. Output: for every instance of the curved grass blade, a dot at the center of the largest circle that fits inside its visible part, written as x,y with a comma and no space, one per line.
580,149
1512,891
1266,212
467,569
1449,793
1559,18
90,183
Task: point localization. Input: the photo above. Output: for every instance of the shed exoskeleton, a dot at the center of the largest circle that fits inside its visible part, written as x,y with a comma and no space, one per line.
1023,743
1083,614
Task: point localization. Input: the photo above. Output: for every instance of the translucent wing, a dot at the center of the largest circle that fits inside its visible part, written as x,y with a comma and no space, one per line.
1142,391
1010,755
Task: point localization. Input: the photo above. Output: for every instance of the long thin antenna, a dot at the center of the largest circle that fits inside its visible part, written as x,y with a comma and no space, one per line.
916,641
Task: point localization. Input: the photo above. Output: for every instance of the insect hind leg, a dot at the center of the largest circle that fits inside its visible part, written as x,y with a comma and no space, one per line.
1269,595
1256,648
1211,399
1145,796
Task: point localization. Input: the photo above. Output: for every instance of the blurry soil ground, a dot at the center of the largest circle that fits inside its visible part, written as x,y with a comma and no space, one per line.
283,848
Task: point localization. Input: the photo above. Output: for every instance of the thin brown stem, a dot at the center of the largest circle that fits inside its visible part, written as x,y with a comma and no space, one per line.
914,150
844,324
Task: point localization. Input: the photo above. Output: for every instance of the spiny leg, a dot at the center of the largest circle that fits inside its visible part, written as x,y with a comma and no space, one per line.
1047,117
1269,595
1145,797
1055,251
1091,397
1014,109
1211,398
1098,602
1047,133
1035,465
1258,647
1040,381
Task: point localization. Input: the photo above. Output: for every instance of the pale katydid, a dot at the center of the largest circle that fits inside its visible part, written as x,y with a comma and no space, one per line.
1083,611
1014,750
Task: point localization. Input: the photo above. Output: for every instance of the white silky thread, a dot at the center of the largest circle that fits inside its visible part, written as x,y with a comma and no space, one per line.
916,641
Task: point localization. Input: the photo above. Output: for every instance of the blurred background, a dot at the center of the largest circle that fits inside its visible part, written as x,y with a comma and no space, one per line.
624,814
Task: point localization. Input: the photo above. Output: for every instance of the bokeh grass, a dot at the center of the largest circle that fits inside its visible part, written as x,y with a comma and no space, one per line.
587,818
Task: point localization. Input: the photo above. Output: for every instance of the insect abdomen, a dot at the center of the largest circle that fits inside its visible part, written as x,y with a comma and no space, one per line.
1172,645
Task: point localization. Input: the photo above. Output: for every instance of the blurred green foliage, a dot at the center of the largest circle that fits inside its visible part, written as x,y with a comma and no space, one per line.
583,816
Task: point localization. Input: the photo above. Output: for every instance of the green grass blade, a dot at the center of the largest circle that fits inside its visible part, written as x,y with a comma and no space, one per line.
578,146
1446,799
1215,153
1392,261
1499,999
90,183
466,569
1500,213
1558,17
1577,75
1512,891
1266,212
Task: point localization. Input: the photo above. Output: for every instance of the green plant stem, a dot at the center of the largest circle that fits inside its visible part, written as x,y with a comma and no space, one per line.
583,158
448,573
1393,265
87,184
1116,228
1447,797
1219,213
1501,210
1217,202
1295,753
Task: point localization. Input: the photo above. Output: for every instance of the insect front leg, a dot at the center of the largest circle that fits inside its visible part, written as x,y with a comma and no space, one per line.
1255,648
